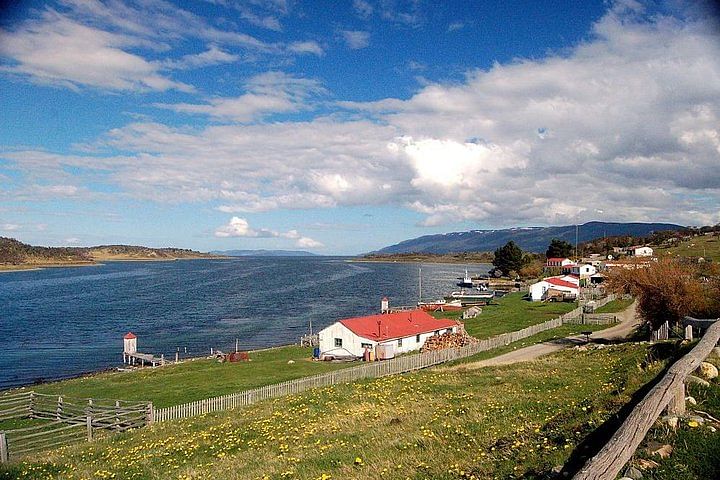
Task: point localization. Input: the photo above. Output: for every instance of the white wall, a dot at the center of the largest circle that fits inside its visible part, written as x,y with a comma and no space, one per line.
537,290
353,343
643,252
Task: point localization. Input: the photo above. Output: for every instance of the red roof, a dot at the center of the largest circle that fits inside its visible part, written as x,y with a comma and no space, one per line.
396,325
129,336
560,283
556,259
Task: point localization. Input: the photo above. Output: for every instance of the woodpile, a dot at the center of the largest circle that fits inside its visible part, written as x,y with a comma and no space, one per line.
447,340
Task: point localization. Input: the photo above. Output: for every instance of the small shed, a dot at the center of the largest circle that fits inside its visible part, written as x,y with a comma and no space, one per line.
129,343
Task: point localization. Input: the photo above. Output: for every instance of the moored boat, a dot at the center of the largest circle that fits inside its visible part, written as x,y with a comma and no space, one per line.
441,306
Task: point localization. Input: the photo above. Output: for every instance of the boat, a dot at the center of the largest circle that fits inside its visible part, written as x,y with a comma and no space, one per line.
441,306
466,281
472,297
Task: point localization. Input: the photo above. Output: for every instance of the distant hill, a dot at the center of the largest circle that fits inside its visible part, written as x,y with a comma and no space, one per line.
14,253
263,253
533,239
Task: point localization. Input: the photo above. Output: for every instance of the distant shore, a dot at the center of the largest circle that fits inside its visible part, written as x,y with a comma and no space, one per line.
426,258
97,263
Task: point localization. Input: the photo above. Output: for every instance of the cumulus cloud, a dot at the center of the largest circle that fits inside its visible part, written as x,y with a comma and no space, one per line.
212,56
625,126
267,93
356,39
9,227
363,8
56,49
239,227
309,46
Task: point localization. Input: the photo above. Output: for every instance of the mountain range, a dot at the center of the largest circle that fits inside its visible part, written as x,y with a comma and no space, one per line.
533,239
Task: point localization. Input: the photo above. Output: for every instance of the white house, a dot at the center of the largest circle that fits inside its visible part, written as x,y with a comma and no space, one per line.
404,331
539,291
583,271
642,251
558,262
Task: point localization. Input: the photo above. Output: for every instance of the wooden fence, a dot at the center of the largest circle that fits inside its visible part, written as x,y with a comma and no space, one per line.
51,421
593,319
668,392
402,364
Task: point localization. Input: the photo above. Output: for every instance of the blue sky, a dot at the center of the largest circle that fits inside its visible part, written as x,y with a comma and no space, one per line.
342,127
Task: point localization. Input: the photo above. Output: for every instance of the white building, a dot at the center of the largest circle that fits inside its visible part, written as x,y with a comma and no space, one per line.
583,271
539,291
402,331
558,262
642,251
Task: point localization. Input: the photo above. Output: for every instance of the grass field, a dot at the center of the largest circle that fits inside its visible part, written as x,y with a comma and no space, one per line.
194,380
615,306
510,313
705,246
504,422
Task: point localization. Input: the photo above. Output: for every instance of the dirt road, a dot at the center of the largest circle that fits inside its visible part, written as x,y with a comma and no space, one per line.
628,322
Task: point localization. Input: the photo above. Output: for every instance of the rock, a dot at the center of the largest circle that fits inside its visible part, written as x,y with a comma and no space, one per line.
663,451
695,418
708,370
557,469
712,429
633,473
698,380
645,464
691,400
290,362
672,421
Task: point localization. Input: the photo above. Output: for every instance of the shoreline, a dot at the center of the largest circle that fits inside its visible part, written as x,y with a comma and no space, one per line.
98,263
420,260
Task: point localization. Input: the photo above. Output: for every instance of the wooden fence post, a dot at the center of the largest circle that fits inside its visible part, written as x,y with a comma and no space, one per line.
31,405
150,414
59,410
3,448
688,332
88,420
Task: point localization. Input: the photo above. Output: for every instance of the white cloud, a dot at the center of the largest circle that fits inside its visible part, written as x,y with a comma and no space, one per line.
356,39
211,56
239,227
455,26
363,8
626,126
9,227
56,49
264,21
272,92
309,46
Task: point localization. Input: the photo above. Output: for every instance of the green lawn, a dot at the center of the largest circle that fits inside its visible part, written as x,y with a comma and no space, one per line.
194,380
615,306
705,246
515,421
510,313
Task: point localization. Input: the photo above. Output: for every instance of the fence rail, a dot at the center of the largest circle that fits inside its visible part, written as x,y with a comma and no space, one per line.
373,370
668,392
54,421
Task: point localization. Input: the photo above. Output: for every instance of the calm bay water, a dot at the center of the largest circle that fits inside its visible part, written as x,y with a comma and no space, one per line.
66,321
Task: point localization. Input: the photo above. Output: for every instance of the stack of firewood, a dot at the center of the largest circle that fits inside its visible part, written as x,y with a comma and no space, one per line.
447,340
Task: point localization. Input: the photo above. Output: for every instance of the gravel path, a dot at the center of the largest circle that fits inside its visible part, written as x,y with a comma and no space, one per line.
628,322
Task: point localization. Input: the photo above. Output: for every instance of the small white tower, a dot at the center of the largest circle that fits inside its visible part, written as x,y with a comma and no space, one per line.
384,305
129,343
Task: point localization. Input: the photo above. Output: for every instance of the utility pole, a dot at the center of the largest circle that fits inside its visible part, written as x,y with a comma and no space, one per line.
576,243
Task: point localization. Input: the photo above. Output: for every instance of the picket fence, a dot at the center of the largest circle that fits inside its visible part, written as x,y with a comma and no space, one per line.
395,366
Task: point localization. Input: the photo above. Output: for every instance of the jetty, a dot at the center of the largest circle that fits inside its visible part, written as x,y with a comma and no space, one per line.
132,357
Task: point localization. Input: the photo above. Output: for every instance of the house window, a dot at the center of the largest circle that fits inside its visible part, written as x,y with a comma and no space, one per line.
366,345
338,342
417,338
399,342
437,332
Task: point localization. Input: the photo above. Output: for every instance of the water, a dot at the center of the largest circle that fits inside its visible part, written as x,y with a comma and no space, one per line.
62,322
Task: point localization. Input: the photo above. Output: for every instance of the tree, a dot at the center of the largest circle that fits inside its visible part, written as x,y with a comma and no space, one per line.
559,249
666,290
509,258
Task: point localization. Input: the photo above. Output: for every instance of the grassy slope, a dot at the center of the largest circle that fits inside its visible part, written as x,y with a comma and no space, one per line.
510,313
194,380
614,306
701,246
502,422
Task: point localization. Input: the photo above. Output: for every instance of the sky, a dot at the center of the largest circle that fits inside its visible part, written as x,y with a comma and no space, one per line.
342,127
